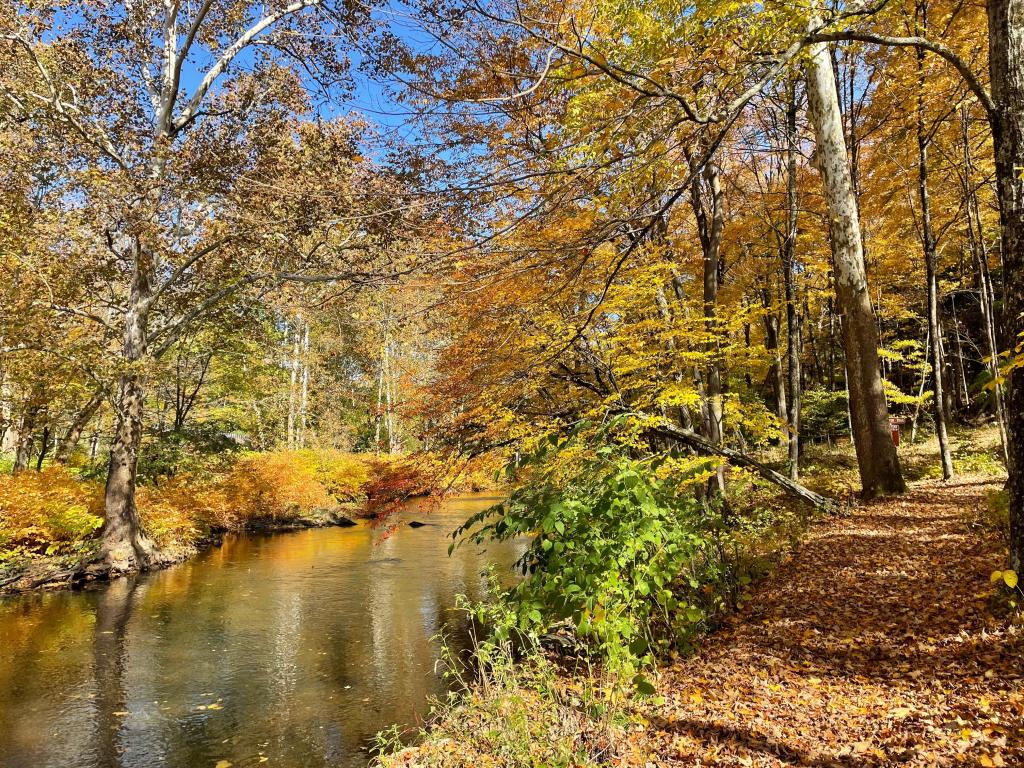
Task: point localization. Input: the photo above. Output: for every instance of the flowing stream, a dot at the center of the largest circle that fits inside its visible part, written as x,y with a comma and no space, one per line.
288,649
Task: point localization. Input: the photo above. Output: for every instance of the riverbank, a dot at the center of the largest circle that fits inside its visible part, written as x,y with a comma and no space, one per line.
55,572
880,639
50,520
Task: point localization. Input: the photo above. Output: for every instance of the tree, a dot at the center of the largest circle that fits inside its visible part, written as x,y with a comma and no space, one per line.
169,110
876,454
793,337
1006,70
1004,107
931,262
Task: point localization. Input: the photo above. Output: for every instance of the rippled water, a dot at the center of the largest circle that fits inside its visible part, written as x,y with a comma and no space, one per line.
290,649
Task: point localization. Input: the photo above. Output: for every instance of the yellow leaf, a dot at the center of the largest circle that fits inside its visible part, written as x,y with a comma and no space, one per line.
223,764
996,576
1010,578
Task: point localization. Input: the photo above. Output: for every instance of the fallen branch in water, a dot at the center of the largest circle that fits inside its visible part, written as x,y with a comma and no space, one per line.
55,576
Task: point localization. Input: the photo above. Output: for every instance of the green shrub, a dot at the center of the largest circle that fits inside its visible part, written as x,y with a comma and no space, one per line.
201,448
972,460
995,515
631,559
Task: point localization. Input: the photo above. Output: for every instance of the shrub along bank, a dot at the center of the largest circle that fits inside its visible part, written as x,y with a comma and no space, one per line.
50,519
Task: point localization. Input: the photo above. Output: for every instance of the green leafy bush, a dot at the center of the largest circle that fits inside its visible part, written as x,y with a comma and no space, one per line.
994,516
626,555
199,448
969,459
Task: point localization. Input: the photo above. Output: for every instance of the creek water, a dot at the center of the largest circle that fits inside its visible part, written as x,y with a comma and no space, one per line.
289,649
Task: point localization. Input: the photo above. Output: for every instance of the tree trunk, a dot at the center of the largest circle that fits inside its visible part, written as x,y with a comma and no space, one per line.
44,446
184,397
94,441
920,389
71,438
793,330
292,387
976,240
876,455
682,412
1006,70
125,545
8,429
304,398
378,416
778,376
710,224
23,449
389,407
930,258
962,401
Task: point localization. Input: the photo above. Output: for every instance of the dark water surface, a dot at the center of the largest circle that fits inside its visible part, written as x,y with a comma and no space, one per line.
289,649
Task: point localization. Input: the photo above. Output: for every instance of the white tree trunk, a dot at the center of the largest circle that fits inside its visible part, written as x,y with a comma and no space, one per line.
869,415
293,365
304,400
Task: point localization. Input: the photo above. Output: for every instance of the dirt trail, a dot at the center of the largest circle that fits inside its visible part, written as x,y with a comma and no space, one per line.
874,645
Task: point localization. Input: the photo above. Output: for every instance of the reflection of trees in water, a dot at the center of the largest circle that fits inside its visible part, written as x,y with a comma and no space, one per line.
114,608
43,637
276,627
412,600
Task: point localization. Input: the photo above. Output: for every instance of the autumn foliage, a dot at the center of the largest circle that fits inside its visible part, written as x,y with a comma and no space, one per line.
50,511
56,512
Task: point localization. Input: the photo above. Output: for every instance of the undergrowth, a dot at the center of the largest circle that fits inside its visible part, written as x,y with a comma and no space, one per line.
628,564
515,706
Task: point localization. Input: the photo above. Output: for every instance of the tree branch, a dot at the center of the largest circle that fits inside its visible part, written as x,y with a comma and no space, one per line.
229,55
922,43
706,447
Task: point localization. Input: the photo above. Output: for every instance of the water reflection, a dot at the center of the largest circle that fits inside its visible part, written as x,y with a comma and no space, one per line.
285,650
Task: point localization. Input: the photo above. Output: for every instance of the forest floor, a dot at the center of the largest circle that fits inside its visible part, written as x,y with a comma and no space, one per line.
878,643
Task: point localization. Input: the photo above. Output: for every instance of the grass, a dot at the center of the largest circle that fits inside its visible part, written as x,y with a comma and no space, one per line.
518,710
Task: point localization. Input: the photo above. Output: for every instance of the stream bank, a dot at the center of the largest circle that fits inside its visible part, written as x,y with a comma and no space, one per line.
57,573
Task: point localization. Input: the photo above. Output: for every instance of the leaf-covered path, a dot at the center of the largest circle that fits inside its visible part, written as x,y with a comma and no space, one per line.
874,645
